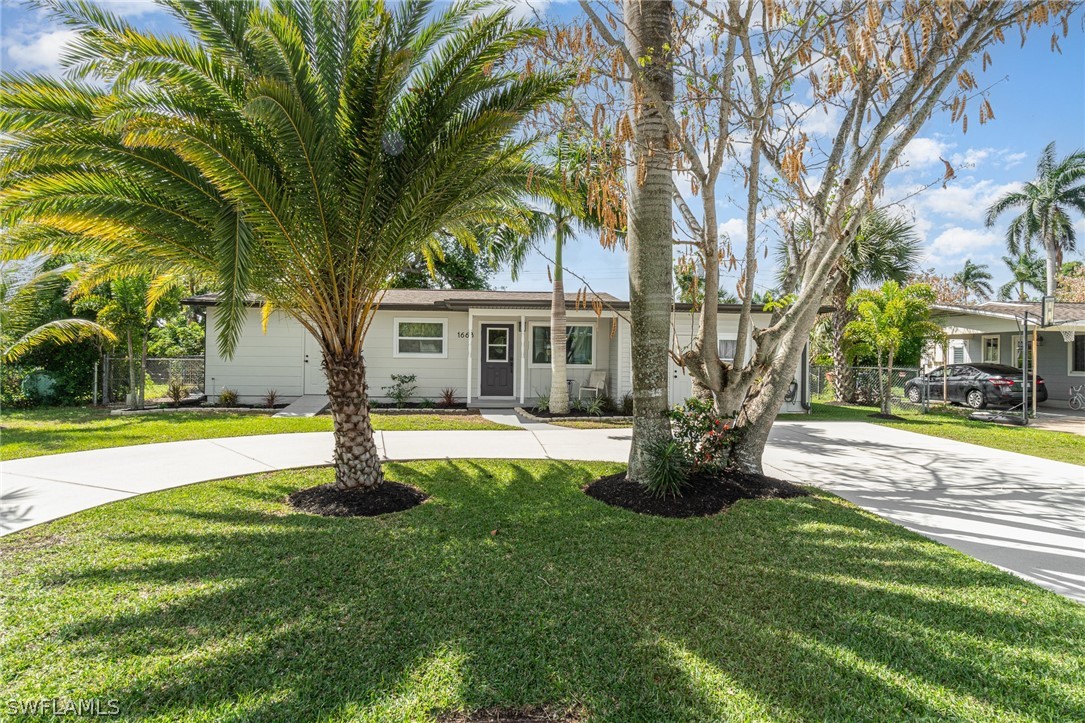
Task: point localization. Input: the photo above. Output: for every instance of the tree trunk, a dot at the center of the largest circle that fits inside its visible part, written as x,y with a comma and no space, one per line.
357,460
143,372
133,383
647,33
843,372
1052,265
881,384
887,407
559,388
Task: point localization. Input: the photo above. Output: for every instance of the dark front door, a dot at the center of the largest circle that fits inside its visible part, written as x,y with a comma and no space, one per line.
497,371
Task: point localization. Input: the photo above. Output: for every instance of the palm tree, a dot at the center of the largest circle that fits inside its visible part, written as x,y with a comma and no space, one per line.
1058,186
885,248
21,329
563,216
299,152
974,279
1027,270
885,318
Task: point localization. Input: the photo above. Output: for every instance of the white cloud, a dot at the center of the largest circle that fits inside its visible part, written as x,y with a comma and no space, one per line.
1013,159
922,152
963,202
528,9
959,243
40,53
734,228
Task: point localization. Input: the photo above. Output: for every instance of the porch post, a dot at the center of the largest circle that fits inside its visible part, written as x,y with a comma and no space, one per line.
470,351
523,356
1035,364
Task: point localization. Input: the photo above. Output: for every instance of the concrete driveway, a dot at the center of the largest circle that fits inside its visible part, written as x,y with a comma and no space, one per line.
1021,513
1024,514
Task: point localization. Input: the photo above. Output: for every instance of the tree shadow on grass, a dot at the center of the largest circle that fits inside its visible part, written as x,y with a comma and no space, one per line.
511,587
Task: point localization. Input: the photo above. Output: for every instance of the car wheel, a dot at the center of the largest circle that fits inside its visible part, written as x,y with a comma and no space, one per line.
975,399
914,395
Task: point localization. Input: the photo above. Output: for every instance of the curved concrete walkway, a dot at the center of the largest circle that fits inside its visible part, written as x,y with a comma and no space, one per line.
1024,514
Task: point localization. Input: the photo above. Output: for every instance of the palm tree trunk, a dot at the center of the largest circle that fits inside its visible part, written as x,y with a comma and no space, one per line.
559,388
357,460
647,33
843,373
1052,264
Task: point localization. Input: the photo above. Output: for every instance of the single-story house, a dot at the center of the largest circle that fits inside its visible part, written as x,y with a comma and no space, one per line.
993,332
492,347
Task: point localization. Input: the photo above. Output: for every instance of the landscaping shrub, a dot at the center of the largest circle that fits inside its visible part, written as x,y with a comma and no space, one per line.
626,405
11,386
448,397
668,469
426,404
176,391
705,439
227,398
594,407
38,386
542,402
72,368
271,398
402,388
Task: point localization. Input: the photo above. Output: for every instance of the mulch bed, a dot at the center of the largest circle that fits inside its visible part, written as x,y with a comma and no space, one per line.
890,417
705,495
329,501
511,715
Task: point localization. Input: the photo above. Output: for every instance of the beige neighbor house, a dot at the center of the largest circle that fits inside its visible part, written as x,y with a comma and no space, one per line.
993,332
492,347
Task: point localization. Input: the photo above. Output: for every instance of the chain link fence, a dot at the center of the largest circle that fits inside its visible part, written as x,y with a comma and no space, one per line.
868,383
187,371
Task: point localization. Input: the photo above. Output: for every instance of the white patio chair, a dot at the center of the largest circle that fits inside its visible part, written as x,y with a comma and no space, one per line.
597,384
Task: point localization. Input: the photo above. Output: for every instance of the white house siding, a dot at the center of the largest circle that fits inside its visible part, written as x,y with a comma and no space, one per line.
261,362
433,373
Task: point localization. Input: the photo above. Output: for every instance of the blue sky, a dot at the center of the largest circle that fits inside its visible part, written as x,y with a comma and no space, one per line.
1040,97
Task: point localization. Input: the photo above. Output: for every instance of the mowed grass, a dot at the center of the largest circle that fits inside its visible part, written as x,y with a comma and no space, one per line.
510,587
51,430
1045,443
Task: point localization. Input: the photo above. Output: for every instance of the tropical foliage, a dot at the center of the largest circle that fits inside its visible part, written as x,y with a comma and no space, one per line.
1045,202
299,152
974,279
1027,271
885,318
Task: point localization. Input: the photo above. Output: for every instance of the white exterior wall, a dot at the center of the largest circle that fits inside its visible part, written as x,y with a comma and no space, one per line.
276,359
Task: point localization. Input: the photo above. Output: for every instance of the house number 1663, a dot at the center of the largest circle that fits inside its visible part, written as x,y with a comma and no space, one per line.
464,334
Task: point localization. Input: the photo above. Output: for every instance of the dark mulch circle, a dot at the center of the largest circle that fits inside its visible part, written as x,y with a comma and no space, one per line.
890,417
329,501
705,495
511,715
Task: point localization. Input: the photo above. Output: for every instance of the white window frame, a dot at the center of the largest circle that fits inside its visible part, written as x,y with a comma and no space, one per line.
722,337
1026,351
508,340
568,324
1070,357
397,354
983,348
953,347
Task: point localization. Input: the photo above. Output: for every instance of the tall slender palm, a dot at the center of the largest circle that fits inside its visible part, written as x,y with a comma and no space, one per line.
974,279
1027,271
560,220
298,151
886,248
1058,187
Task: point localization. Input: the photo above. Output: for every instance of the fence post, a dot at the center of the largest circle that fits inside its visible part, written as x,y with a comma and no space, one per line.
106,398
94,386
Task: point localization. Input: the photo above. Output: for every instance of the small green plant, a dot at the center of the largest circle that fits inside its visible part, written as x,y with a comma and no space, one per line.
176,391
448,397
576,405
704,437
271,398
542,402
427,404
626,405
594,407
668,469
227,397
402,388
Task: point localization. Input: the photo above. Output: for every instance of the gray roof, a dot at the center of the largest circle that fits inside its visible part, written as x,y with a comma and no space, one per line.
463,299
1065,312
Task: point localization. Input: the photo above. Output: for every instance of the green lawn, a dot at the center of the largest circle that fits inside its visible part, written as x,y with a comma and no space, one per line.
216,602
1059,446
70,429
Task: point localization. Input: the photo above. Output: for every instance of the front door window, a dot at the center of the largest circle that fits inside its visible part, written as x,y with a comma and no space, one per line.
497,345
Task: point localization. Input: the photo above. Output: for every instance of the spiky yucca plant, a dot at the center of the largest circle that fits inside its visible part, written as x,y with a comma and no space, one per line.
297,151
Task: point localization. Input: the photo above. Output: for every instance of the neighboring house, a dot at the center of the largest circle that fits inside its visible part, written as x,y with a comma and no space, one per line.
993,332
492,347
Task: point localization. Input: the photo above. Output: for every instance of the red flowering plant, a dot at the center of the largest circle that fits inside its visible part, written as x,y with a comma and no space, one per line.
704,437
